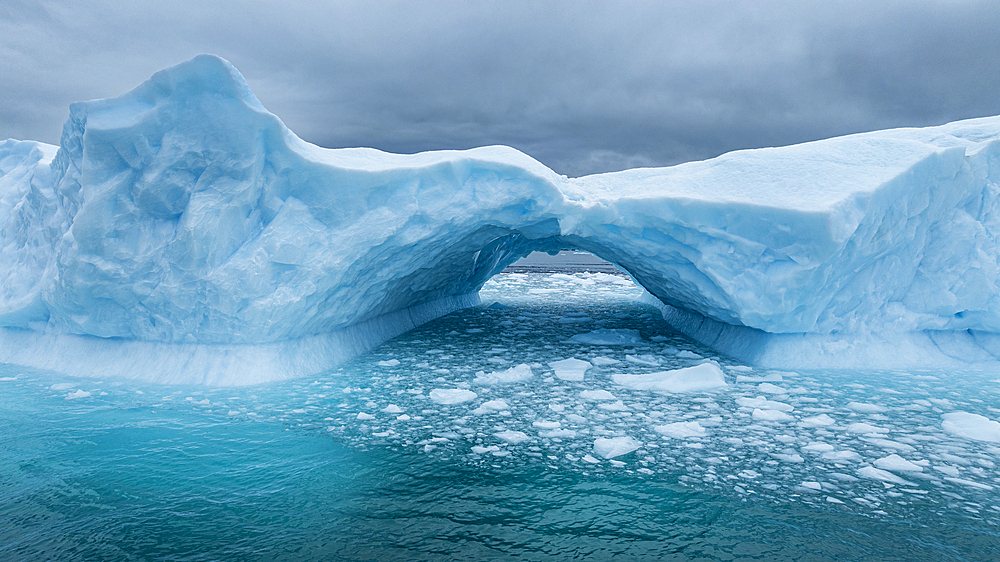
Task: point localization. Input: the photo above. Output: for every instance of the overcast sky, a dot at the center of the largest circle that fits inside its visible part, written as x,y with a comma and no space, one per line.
583,87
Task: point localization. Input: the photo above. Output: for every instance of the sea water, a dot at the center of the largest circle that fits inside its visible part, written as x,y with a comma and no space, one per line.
458,440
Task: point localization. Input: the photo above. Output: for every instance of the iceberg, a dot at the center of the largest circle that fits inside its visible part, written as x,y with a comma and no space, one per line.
181,233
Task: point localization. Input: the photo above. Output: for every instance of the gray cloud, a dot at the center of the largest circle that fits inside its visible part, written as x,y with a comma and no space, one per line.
582,86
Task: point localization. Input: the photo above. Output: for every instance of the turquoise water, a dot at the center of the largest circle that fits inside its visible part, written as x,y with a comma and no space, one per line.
362,464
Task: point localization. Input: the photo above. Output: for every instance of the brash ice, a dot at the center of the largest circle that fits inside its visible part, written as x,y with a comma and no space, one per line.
181,231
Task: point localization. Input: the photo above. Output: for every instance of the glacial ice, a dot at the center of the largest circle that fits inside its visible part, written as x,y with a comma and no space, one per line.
181,233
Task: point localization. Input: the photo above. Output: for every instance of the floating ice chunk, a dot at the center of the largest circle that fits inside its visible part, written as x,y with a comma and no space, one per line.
363,416
576,418
842,456
491,406
873,473
771,415
512,437
821,420
764,404
80,393
773,377
865,428
952,471
62,386
817,447
768,388
897,463
649,360
616,406
590,459
888,444
610,336
969,483
685,354
571,369
558,432
603,361
519,373
392,409
597,395
812,485
788,457
681,430
480,450
865,408
545,424
403,417
389,363
7,379
610,448
448,396
704,377
971,426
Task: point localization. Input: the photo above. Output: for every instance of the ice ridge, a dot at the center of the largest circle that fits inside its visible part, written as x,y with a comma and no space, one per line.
185,216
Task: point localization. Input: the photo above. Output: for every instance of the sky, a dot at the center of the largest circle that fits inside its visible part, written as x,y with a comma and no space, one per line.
584,87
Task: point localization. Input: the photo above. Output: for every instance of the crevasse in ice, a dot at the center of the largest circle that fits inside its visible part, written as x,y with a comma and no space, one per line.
182,230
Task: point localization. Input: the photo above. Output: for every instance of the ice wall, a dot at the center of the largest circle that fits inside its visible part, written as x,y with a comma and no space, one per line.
184,220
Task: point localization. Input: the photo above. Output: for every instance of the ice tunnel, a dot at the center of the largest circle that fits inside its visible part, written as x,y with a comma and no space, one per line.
181,230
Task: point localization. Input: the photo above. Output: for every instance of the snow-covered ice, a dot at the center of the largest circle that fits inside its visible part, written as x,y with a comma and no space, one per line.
971,426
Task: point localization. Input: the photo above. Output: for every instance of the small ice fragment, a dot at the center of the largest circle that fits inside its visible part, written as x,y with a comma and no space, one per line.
512,437
597,395
609,336
576,418
865,408
571,369
897,463
491,406
842,456
392,409
681,430
969,483
817,447
865,428
616,406
80,393
389,363
764,404
615,446
546,424
519,373
768,388
558,432
403,417
812,485
821,420
648,360
603,361
947,469
62,386
873,473
685,354
971,426
703,377
479,450
449,396
364,416
771,415
590,459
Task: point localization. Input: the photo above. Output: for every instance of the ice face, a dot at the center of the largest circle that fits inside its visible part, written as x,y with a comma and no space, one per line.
186,234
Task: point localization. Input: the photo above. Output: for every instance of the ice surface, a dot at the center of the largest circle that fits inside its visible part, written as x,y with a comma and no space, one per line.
449,396
181,233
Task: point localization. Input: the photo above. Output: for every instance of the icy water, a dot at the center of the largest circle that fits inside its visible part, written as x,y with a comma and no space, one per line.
458,441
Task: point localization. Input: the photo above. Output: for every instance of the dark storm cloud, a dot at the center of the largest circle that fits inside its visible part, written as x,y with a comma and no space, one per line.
584,87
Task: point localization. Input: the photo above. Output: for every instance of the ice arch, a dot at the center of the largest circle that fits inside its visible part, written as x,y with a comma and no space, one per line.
182,233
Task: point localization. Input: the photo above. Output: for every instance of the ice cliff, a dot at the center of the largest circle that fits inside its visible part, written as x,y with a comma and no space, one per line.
183,232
